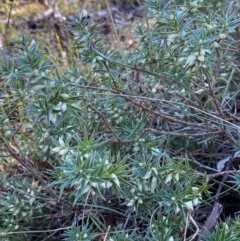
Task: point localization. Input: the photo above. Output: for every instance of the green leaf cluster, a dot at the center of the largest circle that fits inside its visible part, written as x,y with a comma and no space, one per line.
123,146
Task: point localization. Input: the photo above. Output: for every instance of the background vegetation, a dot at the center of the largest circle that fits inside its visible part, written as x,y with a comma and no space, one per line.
120,143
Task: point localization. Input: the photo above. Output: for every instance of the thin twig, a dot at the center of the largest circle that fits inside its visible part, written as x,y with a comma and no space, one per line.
151,219
109,72
116,34
224,178
186,227
107,233
54,232
126,222
9,16
203,166
129,98
128,66
211,221
34,231
105,121
211,92
197,228
174,133
24,161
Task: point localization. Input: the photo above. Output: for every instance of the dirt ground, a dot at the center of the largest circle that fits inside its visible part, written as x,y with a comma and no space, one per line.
46,22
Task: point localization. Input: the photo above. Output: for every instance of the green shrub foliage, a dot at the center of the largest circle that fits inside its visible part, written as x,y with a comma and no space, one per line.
108,149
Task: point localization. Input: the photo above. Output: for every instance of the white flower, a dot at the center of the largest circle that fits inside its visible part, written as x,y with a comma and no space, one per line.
61,142
194,4
154,90
191,60
8,133
177,176
200,58
195,202
182,59
177,209
175,46
216,45
86,155
195,189
153,184
64,95
106,184
86,189
56,149
46,135
155,170
189,205
95,184
63,152
222,35
60,107
63,107
115,179
145,186
155,151
131,202
147,175
202,52
200,91
171,38
140,186
226,227
171,239
52,117
168,178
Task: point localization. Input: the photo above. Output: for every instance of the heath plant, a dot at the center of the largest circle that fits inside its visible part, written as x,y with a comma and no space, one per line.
124,146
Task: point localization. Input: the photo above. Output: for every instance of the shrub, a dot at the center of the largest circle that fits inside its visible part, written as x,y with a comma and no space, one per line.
126,139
